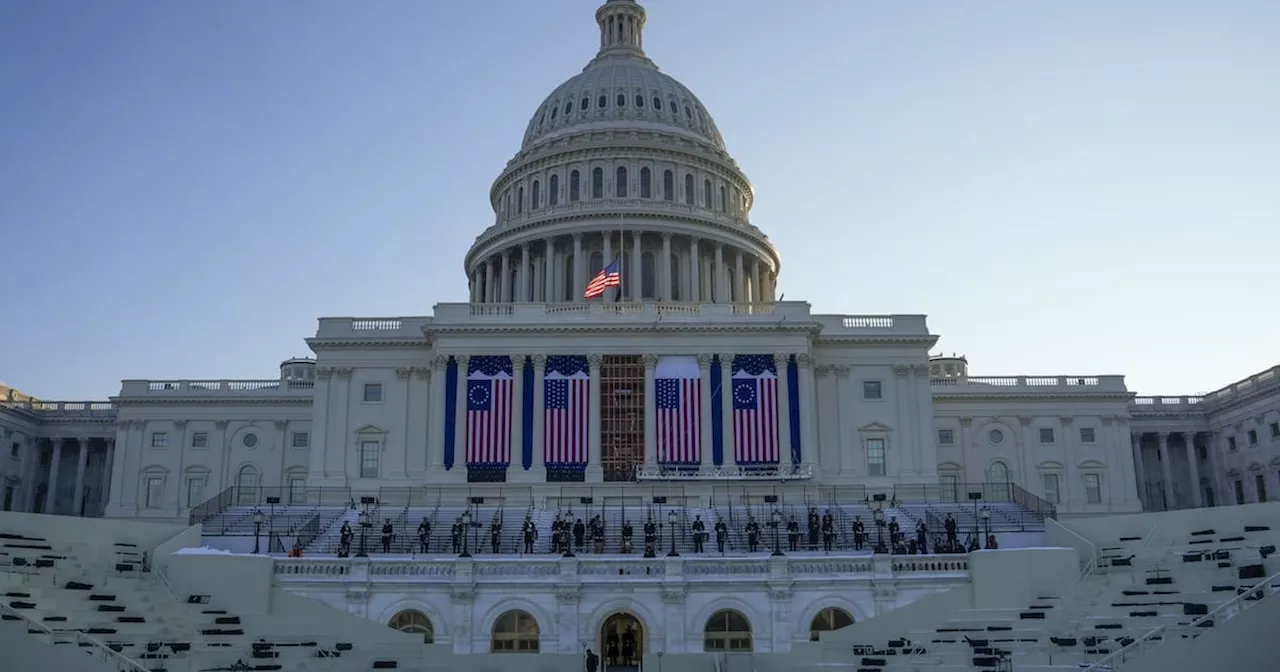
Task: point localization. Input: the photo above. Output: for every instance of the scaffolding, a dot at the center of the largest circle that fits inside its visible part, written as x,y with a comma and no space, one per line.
621,416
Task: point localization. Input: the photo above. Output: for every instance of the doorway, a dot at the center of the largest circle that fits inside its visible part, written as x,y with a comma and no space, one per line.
621,643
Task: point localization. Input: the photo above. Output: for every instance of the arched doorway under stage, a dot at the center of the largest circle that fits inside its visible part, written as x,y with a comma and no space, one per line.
515,631
827,620
414,621
621,641
727,631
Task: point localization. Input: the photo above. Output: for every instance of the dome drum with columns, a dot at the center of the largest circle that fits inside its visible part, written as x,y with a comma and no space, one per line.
622,162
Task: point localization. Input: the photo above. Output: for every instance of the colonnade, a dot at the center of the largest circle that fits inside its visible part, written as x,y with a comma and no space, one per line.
1166,484
708,436
654,266
83,446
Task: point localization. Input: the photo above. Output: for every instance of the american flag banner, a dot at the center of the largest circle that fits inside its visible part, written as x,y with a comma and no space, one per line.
489,389
567,385
755,410
678,400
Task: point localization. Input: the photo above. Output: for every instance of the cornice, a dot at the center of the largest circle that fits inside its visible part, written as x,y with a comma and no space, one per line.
318,344
1032,396
213,401
561,328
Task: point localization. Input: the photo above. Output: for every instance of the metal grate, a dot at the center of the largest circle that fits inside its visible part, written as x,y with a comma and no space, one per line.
621,416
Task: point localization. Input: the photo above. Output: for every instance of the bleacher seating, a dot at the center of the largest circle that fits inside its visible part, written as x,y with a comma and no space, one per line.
1142,581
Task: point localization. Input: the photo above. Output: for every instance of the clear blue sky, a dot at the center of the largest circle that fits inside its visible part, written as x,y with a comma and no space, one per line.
1063,187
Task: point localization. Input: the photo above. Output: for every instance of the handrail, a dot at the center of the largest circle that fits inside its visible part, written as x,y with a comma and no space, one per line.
1111,661
122,662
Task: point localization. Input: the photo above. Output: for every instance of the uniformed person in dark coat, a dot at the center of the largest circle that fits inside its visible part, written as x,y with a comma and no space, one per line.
495,534
722,534
753,535
529,531
793,534
388,532
699,533
627,533
579,534
828,531
859,533
650,537
813,529
424,535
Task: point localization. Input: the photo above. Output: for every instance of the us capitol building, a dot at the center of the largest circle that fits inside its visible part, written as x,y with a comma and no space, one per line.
689,387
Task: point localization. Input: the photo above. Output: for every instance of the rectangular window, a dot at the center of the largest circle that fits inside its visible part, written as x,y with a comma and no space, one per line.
1239,488
950,484
875,457
373,392
159,439
200,440
1051,491
1202,453
301,439
13,451
155,492
1046,435
1275,430
1253,437
369,459
297,490
1260,484
1086,435
946,437
1231,443
1093,488
871,389
195,491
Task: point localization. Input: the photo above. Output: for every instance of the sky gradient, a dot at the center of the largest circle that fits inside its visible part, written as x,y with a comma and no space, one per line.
1084,187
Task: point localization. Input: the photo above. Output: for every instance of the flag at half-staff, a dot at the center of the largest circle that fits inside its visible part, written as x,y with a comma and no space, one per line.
609,276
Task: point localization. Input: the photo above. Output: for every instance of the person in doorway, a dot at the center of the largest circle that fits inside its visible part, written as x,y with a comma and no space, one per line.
611,647
628,646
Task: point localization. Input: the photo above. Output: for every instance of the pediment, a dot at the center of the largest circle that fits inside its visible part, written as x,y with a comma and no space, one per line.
874,428
370,429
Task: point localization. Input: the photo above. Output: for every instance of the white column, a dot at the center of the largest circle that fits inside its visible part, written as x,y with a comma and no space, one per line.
488,282
784,406
517,413
1139,469
504,288
80,467
695,281
718,288
704,372
1192,459
664,288
605,259
755,283
595,470
808,412
729,455
1166,470
578,265
739,279
107,467
460,418
637,268
50,495
650,412
524,273
435,415
536,280
549,268
538,470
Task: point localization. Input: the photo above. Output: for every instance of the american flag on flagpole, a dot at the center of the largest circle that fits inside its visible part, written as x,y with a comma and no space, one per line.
755,410
489,389
609,276
567,410
678,400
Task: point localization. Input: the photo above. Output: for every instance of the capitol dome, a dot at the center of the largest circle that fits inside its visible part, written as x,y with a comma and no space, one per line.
622,163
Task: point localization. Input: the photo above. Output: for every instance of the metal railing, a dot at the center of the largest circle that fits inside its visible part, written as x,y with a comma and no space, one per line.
257,496
1227,610
100,650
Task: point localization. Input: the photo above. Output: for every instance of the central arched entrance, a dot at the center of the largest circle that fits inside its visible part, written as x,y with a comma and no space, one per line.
621,642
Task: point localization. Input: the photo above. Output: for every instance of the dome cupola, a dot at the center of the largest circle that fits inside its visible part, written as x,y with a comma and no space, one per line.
623,163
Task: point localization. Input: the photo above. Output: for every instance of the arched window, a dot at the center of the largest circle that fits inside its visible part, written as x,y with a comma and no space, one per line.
724,200
537,196
997,482
668,186
553,190
646,183
827,620
602,101
622,100
639,100
688,189
706,193
247,485
414,622
514,632
657,103
574,186
727,630
520,199
568,107
676,295
567,294
597,183
620,183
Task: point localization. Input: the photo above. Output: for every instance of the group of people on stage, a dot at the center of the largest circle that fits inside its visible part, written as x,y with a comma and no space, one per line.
570,534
